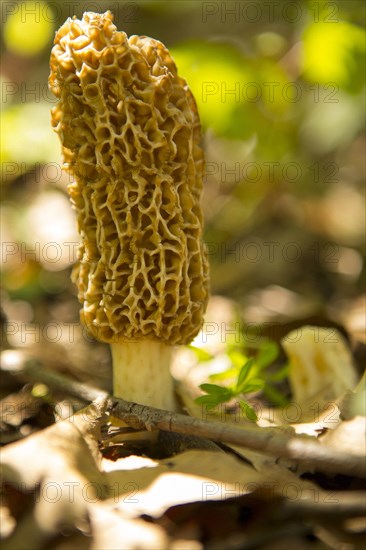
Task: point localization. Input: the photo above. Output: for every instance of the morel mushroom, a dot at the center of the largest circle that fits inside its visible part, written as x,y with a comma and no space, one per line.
130,135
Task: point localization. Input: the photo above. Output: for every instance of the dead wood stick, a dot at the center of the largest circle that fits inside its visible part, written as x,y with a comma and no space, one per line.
339,504
266,440
271,441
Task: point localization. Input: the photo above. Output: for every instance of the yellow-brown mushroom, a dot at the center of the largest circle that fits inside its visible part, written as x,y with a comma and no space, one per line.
130,135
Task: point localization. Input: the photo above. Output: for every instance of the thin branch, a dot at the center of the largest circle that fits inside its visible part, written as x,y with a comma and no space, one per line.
340,504
29,369
266,440
304,452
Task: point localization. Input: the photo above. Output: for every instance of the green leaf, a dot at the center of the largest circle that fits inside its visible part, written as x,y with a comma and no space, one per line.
237,357
206,65
254,385
27,123
213,389
335,54
275,396
207,400
280,375
243,374
29,28
201,354
248,410
203,399
225,375
213,400
267,354
215,395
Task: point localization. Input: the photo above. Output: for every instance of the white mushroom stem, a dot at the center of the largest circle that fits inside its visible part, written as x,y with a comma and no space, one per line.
141,373
137,183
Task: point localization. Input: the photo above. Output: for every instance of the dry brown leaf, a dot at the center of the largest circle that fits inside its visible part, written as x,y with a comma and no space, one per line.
66,445
77,489
354,402
113,531
320,361
144,486
60,466
349,436
277,476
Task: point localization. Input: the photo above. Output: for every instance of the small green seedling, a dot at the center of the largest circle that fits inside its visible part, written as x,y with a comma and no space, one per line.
245,376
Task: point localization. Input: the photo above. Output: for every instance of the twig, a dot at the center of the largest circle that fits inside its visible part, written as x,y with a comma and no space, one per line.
266,440
29,369
244,541
340,504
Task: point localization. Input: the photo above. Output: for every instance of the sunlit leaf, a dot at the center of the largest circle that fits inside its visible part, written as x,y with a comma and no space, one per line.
216,74
225,375
201,354
237,95
207,400
237,357
212,400
335,53
248,410
215,390
243,374
29,137
254,385
29,28
267,353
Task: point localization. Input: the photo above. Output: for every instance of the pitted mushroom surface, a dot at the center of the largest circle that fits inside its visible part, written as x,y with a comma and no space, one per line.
130,135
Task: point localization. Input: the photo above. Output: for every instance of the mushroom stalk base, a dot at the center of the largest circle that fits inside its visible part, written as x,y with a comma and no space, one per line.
141,373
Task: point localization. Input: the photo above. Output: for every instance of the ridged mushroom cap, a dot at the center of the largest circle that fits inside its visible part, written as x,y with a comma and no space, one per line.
130,135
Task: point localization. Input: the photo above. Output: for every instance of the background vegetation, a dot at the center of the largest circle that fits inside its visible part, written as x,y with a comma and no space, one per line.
280,90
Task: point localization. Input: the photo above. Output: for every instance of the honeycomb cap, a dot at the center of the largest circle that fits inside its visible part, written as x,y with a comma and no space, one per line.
130,135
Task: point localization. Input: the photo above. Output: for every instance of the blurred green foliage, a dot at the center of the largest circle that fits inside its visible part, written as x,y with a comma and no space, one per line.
231,101
280,93
26,35
29,141
335,53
